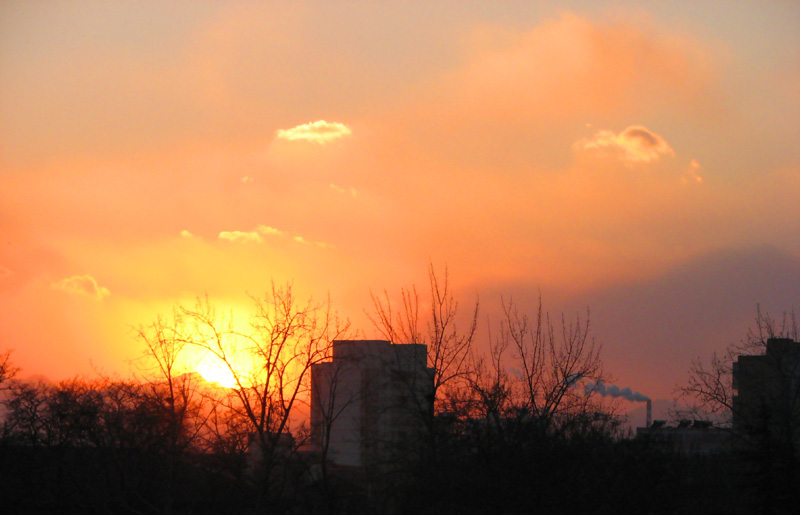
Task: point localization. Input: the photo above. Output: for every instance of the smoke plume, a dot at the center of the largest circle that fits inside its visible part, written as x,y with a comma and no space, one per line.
615,391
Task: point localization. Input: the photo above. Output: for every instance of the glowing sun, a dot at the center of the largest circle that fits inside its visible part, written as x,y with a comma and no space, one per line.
215,373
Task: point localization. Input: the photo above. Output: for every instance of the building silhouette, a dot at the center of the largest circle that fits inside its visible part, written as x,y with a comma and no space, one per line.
767,400
688,437
369,402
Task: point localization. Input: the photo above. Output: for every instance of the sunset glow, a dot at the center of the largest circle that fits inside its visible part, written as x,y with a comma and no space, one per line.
215,372
639,160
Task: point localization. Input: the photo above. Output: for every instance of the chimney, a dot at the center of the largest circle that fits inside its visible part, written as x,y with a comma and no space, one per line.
649,420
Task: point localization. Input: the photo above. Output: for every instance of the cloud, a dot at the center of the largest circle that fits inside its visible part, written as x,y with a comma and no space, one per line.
319,132
254,236
691,173
343,190
269,231
303,241
247,179
186,234
241,236
518,95
636,144
575,66
5,272
82,285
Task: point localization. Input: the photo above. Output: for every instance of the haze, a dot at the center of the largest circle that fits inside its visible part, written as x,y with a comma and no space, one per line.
638,159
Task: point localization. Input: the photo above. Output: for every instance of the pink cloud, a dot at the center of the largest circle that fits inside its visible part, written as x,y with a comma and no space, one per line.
636,144
573,65
518,96
692,173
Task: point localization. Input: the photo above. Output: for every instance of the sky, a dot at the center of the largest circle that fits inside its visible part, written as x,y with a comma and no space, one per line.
636,160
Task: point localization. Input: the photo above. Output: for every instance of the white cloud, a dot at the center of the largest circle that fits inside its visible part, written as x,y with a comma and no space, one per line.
255,236
636,144
241,236
81,285
319,132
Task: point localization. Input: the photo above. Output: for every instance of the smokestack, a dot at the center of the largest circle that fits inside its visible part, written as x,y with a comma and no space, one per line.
649,421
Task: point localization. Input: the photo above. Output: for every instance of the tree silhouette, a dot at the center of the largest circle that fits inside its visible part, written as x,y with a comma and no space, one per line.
549,363
448,345
7,369
270,364
172,390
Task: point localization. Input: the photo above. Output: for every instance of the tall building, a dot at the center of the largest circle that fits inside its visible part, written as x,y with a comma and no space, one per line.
369,402
767,401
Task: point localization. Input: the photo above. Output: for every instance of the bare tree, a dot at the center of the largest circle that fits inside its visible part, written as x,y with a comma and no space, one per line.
448,345
269,364
172,390
489,395
26,413
549,363
7,369
168,381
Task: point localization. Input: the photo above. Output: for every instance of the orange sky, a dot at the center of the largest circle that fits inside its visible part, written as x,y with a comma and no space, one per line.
640,159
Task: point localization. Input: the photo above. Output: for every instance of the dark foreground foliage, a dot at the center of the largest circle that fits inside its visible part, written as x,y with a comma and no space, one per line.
111,447
565,477
90,480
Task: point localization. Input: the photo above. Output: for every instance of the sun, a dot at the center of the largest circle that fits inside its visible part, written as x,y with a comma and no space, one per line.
215,373
209,367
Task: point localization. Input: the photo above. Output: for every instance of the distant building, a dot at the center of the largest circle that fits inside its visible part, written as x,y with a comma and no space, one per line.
767,401
688,437
368,402
766,406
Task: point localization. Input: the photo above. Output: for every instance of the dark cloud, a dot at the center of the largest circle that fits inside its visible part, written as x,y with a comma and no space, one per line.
652,328
642,134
